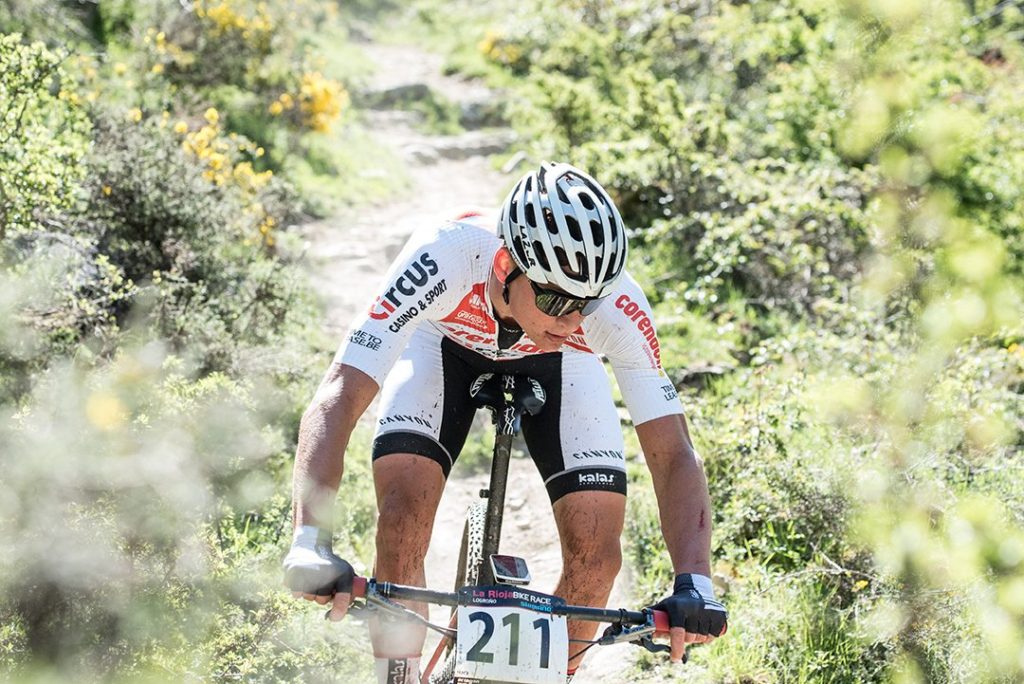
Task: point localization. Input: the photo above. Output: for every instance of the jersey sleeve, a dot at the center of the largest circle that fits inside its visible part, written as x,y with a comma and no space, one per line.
418,287
623,330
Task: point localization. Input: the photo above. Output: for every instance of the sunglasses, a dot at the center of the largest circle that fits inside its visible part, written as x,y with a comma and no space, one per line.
555,303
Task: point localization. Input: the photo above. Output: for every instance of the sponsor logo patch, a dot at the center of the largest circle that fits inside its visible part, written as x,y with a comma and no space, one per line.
603,479
471,314
670,392
598,453
365,339
405,286
405,418
397,671
644,324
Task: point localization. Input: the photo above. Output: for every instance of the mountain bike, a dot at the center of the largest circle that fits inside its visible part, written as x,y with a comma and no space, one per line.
500,632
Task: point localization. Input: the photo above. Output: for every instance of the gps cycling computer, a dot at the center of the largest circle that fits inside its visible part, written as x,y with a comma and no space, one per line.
510,570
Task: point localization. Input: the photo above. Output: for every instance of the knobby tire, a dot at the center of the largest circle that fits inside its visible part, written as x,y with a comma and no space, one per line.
470,570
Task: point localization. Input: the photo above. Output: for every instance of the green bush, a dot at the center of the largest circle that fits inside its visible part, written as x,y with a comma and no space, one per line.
204,245
44,136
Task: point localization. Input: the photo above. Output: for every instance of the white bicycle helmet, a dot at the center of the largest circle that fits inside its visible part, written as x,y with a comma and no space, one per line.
563,229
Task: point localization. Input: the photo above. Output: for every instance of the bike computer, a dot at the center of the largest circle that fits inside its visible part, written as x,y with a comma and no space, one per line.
510,570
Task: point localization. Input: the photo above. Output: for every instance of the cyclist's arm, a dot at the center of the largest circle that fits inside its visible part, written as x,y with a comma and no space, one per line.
326,426
682,490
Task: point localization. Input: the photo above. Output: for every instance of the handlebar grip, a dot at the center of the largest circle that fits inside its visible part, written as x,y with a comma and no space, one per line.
359,587
661,624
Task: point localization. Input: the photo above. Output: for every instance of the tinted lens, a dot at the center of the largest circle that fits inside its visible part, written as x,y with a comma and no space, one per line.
557,304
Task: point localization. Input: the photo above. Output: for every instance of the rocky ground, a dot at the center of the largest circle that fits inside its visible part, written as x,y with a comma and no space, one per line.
350,253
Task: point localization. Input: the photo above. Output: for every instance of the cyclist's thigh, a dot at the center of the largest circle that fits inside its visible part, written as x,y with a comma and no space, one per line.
589,522
424,405
576,440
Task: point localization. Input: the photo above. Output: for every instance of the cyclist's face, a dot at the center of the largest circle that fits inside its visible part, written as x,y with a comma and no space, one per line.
547,332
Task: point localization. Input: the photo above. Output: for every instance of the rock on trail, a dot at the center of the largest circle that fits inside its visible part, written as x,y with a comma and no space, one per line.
349,254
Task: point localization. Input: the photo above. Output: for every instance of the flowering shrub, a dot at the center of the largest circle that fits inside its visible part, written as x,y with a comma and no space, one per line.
44,135
320,102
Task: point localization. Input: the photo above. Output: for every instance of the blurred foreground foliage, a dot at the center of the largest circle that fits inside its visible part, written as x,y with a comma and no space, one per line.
827,203
159,340
142,519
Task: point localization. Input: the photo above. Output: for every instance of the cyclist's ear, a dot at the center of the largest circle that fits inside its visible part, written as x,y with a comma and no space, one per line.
503,263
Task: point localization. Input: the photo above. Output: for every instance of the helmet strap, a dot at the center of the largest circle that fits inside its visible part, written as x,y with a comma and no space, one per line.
509,277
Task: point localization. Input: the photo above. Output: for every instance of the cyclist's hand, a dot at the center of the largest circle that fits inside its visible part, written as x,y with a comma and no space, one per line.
314,572
694,614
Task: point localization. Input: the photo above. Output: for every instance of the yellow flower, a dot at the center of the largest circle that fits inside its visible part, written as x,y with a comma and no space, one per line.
157,69
259,152
105,410
211,116
120,68
107,190
287,101
276,108
322,100
135,114
181,128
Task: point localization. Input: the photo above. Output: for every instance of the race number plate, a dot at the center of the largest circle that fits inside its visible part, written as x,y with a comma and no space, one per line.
508,634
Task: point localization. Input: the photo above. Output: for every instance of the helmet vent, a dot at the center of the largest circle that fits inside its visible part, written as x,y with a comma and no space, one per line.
568,269
549,221
513,210
517,247
574,228
561,194
585,200
531,216
595,228
538,250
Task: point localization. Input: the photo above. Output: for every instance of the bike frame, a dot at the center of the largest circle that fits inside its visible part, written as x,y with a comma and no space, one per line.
507,421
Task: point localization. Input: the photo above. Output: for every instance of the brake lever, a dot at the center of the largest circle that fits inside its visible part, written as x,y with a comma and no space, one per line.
360,612
616,634
648,643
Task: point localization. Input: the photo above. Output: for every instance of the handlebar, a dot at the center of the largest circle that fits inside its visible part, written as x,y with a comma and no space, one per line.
362,586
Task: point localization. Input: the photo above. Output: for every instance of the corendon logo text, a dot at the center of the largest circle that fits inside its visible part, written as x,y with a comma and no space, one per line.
643,324
405,286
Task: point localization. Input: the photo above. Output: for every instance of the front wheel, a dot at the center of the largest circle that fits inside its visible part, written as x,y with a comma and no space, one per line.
471,571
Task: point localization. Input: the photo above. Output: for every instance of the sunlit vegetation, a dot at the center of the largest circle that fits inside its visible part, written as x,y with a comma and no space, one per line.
827,203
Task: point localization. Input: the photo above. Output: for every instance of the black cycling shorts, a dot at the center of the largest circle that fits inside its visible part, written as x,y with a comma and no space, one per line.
576,441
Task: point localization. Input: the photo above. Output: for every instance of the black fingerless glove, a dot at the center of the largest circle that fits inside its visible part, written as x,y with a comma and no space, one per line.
693,606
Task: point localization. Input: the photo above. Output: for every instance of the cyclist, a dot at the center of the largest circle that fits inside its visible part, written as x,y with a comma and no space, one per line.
542,295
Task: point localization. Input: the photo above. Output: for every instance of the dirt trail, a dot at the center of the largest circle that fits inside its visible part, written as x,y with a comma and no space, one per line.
350,255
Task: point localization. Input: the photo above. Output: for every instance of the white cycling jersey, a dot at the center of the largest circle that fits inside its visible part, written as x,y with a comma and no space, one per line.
440,279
